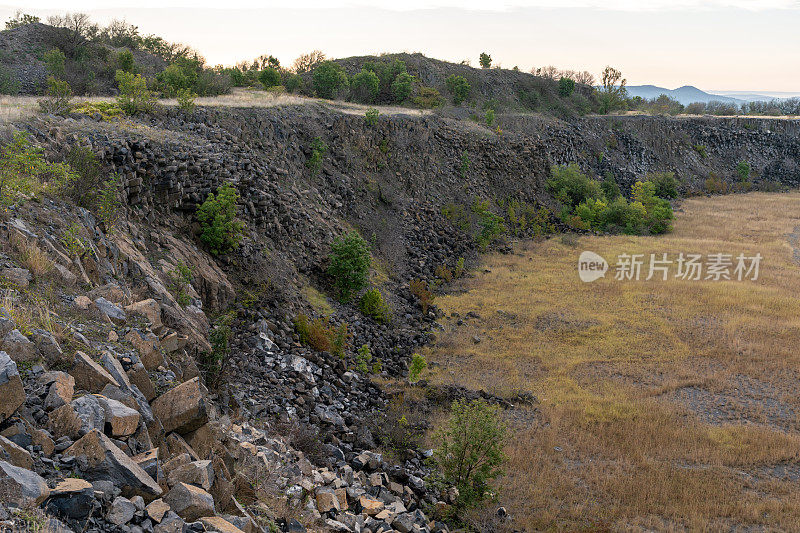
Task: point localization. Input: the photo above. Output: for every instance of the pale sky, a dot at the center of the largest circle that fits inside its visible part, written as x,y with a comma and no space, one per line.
736,45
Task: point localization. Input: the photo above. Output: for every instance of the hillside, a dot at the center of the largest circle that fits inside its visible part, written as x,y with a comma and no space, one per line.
89,67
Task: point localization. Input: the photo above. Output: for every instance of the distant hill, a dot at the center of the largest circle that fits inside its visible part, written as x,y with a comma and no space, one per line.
685,95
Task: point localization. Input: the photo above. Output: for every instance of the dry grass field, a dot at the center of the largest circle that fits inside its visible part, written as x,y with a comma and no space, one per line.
663,405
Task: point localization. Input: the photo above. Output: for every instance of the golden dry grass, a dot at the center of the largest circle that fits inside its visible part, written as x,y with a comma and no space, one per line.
664,405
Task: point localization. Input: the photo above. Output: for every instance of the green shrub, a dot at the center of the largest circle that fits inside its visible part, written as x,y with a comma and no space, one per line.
418,365
269,77
459,88
220,230
565,87
186,100
371,116
402,86
59,95
180,281
489,118
570,186
24,172
134,96
126,61
701,149
490,225
9,81
485,60
318,149
743,170
212,363
427,98
365,363
55,61
666,186
464,167
610,188
349,264
21,19
373,305
470,452
329,80
419,288
291,82
364,87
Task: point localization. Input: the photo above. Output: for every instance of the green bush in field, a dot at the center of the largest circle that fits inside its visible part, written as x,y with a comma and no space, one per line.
364,87
402,86
329,80
134,96
470,453
269,77
565,87
55,61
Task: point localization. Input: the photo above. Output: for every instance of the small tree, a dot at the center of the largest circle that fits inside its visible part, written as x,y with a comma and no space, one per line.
221,231
126,61
349,264
565,87
291,82
743,170
269,77
417,366
364,87
485,60
458,87
58,97
55,61
329,79
21,19
471,450
613,93
186,100
134,96
401,87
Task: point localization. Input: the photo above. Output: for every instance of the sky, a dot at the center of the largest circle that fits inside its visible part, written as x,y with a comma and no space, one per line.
716,45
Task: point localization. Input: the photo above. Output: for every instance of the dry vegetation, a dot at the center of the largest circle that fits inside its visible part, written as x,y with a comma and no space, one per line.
664,405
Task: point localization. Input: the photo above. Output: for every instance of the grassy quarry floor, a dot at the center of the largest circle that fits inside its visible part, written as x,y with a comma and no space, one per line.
663,405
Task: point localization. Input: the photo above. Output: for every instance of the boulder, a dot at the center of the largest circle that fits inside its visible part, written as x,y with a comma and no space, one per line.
171,523
82,302
149,309
88,375
19,347
20,487
113,312
14,454
370,506
64,421
327,501
62,387
139,377
47,346
182,409
121,512
107,462
190,502
12,393
120,419
215,523
72,497
148,347
90,413
20,277
198,473
156,510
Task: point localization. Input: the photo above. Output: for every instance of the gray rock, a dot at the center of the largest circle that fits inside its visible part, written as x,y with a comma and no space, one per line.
19,347
21,487
114,312
12,393
190,502
20,277
90,413
121,512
